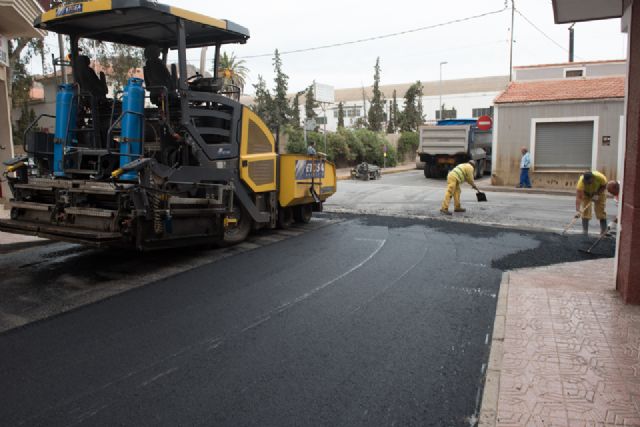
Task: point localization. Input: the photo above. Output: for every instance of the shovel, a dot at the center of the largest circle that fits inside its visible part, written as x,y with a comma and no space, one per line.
482,197
602,236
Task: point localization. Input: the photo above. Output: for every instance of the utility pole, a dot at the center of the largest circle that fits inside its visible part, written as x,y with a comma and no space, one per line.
440,106
65,80
571,42
513,20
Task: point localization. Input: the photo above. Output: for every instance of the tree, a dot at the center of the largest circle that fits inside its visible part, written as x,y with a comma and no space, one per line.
412,116
27,116
393,115
340,115
119,60
263,102
281,111
310,103
376,109
295,111
21,51
233,70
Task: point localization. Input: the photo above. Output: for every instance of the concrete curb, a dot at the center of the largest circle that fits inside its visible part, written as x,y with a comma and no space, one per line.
489,408
545,191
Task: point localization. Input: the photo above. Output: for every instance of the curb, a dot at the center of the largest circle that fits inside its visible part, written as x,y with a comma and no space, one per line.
489,408
547,192
383,172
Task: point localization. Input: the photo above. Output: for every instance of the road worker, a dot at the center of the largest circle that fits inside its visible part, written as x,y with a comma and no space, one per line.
592,188
462,173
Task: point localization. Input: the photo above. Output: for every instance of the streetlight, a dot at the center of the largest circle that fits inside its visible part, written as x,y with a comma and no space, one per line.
440,107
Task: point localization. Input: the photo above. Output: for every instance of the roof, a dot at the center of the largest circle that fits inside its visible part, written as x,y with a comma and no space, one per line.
563,90
571,64
474,85
570,11
139,23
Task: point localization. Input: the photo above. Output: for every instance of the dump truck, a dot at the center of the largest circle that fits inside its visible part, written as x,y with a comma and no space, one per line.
171,160
451,142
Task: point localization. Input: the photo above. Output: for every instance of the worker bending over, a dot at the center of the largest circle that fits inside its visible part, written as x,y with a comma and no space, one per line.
592,188
462,173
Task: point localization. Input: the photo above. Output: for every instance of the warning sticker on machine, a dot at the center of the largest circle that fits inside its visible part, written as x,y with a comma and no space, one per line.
307,169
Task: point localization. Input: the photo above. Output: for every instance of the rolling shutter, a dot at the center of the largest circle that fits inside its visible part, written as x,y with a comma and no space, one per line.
564,145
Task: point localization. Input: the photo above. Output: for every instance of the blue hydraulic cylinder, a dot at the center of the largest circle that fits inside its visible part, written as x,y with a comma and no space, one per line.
66,115
132,125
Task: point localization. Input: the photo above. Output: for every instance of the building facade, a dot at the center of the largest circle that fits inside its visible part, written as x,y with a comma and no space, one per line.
16,20
470,98
569,116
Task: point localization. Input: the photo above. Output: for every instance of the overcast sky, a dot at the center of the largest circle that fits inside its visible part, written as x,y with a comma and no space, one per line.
474,48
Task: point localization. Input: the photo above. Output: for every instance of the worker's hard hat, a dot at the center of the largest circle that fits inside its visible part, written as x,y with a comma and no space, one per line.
472,163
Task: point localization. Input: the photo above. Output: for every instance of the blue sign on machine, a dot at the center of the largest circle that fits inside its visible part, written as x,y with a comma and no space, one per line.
69,10
307,169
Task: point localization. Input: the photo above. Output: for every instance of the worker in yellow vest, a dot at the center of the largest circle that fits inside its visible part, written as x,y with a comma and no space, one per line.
592,188
458,175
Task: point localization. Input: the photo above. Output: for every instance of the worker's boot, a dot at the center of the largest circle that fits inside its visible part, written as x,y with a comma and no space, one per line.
585,227
603,226
459,210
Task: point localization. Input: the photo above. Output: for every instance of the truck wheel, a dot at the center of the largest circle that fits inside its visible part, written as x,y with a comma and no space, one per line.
435,171
479,169
238,232
427,171
303,213
285,217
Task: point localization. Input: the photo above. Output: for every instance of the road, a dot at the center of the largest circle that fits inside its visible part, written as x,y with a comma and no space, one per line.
410,194
364,321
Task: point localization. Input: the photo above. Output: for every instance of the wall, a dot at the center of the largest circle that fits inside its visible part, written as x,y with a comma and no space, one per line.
557,72
514,131
628,278
463,102
6,140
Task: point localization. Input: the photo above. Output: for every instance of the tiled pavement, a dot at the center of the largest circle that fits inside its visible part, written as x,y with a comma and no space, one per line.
565,350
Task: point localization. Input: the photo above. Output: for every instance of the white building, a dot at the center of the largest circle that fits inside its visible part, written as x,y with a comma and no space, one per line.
471,98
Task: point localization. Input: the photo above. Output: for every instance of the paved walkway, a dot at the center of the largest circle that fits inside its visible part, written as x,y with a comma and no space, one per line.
565,350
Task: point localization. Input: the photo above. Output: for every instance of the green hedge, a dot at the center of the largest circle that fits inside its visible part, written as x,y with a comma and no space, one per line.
345,147
408,144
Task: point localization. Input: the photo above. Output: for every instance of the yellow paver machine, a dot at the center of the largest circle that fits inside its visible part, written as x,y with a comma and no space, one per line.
171,160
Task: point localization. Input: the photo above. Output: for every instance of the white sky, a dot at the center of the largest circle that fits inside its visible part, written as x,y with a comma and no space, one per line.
472,49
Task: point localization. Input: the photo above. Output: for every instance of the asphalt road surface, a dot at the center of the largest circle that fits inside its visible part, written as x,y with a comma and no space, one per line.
367,321
411,194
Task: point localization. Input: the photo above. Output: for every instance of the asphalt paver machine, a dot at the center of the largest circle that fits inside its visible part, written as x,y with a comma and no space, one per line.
171,160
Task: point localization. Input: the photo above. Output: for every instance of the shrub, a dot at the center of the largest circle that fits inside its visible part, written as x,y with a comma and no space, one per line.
407,145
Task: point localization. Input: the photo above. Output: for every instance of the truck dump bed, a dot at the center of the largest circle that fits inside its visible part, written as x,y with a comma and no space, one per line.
444,140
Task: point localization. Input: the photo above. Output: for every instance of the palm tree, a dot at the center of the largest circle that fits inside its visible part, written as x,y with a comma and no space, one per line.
233,70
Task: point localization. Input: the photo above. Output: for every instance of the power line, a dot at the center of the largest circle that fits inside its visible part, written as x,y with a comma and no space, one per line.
384,36
542,32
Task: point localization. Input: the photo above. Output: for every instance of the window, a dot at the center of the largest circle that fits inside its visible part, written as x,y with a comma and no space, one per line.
447,114
353,111
479,112
321,120
574,72
564,144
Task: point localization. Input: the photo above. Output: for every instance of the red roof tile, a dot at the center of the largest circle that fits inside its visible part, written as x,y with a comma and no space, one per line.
562,90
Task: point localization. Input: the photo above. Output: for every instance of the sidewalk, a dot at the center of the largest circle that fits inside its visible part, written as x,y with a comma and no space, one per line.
345,173
565,350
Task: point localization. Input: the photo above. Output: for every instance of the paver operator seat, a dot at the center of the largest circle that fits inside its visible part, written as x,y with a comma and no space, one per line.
88,80
156,75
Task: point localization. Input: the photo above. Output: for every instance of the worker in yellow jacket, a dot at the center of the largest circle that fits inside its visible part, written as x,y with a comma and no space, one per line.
592,188
458,175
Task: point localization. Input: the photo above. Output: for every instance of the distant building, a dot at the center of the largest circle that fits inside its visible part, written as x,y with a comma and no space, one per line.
570,116
470,98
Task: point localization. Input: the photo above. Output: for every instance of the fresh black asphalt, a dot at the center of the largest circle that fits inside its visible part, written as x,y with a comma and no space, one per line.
371,321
